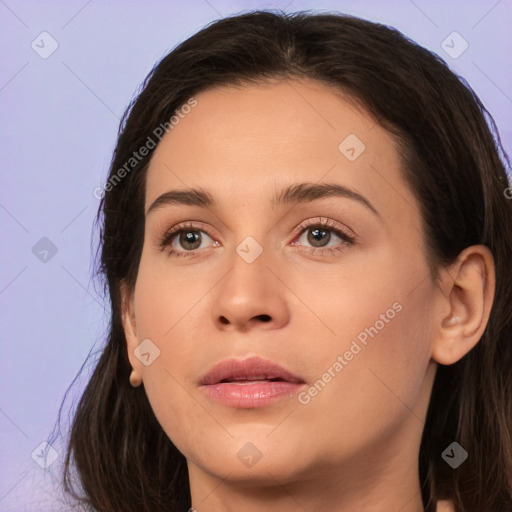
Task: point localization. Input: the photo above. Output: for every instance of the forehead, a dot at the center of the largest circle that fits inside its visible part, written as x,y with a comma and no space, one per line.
251,141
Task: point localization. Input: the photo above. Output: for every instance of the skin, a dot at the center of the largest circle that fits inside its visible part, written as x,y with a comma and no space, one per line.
355,445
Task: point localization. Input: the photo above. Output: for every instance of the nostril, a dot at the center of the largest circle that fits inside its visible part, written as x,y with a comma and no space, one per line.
263,318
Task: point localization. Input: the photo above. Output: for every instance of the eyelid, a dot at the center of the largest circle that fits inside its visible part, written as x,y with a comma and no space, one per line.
326,222
182,226
342,231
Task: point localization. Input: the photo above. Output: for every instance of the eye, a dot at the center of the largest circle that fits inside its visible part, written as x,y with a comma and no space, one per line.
183,240
320,233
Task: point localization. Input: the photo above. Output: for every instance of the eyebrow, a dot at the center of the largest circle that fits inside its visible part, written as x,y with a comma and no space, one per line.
293,194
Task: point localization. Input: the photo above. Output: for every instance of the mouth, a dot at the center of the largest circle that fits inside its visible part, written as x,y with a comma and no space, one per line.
252,380
249,383
252,369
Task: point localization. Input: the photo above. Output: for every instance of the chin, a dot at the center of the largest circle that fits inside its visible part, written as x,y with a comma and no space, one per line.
252,460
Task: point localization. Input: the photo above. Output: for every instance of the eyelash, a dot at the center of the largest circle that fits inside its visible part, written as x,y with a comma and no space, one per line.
348,239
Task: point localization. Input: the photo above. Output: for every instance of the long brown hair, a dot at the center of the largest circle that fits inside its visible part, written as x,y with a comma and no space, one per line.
118,457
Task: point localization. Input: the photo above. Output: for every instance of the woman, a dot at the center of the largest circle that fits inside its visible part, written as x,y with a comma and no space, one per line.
306,242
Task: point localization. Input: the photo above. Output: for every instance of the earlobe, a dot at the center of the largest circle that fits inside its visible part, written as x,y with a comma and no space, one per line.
466,297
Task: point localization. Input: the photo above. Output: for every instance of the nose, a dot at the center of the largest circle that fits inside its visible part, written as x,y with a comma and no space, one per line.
251,296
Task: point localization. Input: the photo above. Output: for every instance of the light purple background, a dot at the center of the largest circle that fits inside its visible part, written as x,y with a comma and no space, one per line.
59,122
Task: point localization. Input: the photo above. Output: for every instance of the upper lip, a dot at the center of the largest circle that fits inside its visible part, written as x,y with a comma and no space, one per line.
251,368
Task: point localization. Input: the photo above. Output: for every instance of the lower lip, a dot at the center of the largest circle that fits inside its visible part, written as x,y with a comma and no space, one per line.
251,395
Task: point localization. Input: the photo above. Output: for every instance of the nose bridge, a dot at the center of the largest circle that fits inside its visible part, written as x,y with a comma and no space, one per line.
250,234
250,293
249,273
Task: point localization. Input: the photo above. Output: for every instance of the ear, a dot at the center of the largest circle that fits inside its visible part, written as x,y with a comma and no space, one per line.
465,299
129,325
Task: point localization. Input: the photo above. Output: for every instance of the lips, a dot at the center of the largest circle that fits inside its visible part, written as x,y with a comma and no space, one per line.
249,383
253,369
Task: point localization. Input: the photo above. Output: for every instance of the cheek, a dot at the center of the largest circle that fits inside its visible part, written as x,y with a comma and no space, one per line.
169,312
379,359
370,371
167,298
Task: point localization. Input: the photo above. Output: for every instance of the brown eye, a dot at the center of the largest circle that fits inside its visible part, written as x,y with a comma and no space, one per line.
318,237
189,240
185,240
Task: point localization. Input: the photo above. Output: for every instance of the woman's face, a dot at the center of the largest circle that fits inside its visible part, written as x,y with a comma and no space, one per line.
330,283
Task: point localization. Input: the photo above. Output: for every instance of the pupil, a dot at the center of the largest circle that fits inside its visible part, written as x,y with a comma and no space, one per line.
318,233
190,237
